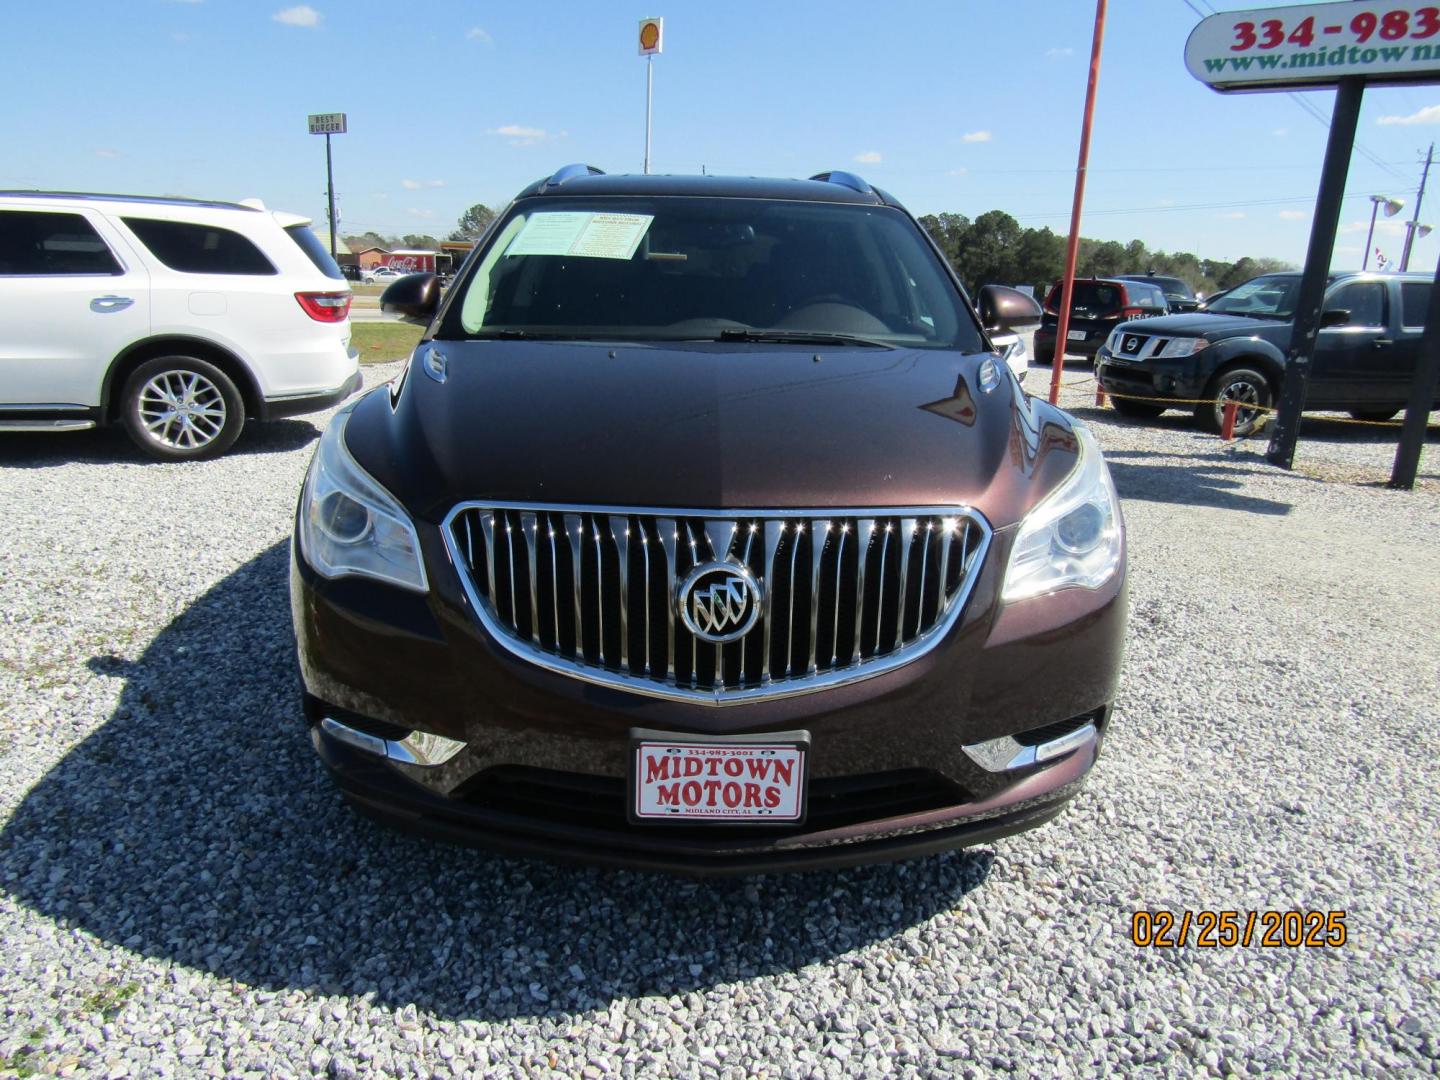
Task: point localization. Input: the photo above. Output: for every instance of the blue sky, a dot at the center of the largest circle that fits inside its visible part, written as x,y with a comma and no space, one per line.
963,105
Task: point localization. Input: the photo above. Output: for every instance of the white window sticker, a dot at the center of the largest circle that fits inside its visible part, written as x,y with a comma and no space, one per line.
588,236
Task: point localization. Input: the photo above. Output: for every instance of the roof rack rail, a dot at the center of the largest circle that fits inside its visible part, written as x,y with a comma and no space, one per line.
569,172
845,179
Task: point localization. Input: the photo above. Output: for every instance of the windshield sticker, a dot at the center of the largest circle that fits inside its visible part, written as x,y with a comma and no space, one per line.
588,236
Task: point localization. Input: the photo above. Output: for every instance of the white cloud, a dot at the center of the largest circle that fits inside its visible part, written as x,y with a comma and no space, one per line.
1233,215
480,34
962,171
869,157
1280,133
975,136
519,135
418,213
302,15
1293,215
416,185
106,152
1383,227
1428,115
1059,52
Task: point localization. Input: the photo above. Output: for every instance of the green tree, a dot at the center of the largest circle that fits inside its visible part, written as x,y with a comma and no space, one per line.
948,231
992,246
1101,258
473,222
420,240
1040,258
368,240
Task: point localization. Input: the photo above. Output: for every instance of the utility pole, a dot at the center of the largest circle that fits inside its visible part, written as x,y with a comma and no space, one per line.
1412,225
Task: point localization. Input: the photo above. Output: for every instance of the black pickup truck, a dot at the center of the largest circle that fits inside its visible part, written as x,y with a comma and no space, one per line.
1234,349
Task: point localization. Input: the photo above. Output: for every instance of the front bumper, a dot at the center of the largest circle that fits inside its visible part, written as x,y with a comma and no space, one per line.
544,764
1175,379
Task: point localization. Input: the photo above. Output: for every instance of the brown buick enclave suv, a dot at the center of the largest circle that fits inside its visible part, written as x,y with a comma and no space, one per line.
705,531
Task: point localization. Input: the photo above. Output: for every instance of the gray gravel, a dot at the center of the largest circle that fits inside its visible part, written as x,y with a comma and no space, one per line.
182,892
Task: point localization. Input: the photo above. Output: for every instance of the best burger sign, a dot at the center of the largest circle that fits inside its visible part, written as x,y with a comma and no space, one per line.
677,779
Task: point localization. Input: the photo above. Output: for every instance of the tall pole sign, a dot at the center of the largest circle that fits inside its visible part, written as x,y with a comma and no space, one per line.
652,39
1343,47
328,124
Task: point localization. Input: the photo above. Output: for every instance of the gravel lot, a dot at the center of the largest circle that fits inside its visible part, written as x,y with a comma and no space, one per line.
182,892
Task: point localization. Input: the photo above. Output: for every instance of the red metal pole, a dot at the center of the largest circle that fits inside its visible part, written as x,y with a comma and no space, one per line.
1227,426
1072,248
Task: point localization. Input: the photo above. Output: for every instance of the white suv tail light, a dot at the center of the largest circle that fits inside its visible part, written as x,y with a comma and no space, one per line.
328,307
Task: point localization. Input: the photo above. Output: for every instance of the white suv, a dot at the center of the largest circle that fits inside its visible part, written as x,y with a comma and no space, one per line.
175,317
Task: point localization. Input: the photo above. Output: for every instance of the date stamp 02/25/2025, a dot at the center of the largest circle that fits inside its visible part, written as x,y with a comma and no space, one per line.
1224,929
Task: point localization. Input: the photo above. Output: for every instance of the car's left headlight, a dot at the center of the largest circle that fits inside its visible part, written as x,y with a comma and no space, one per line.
1074,537
349,524
1182,346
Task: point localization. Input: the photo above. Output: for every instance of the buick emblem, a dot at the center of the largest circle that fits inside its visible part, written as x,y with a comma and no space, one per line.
719,602
1132,344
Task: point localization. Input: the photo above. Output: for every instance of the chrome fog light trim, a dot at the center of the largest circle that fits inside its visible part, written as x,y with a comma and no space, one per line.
1004,754
417,748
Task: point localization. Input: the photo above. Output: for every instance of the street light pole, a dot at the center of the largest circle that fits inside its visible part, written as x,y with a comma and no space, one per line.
1392,207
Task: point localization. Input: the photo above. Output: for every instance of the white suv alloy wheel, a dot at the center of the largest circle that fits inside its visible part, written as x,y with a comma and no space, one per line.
182,410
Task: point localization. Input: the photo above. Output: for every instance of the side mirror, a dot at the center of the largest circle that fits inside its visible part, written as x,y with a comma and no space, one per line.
1003,308
1334,317
415,298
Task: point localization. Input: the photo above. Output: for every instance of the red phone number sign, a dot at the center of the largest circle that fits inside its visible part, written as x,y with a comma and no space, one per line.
1316,45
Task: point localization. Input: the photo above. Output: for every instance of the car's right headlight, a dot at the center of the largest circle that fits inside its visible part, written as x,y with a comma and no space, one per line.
349,524
1074,537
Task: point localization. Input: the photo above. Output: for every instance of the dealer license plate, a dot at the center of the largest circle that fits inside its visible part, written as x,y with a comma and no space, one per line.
727,779
1075,335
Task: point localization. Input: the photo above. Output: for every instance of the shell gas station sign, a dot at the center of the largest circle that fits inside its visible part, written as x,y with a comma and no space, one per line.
652,36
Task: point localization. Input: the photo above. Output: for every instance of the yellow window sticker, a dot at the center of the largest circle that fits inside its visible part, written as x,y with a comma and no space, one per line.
588,236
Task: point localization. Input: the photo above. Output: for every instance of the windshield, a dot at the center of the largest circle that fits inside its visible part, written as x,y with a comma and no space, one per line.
1272,296
686,269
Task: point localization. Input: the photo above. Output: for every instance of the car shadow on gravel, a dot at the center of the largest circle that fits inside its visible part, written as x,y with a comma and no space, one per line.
1214,483
111,446
196,826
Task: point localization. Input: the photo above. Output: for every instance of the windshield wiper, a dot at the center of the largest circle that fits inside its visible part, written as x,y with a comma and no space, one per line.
799,337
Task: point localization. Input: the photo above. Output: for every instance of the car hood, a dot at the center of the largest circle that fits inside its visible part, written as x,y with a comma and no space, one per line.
709,425
1205,325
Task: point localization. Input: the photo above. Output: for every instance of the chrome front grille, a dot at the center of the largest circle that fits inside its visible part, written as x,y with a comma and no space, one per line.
591,592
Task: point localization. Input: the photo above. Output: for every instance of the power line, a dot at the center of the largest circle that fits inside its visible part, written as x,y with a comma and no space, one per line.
1190,206
1310,107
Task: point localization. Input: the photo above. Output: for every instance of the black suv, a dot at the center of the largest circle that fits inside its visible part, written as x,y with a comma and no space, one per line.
1097,306
1234,349
1179,297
